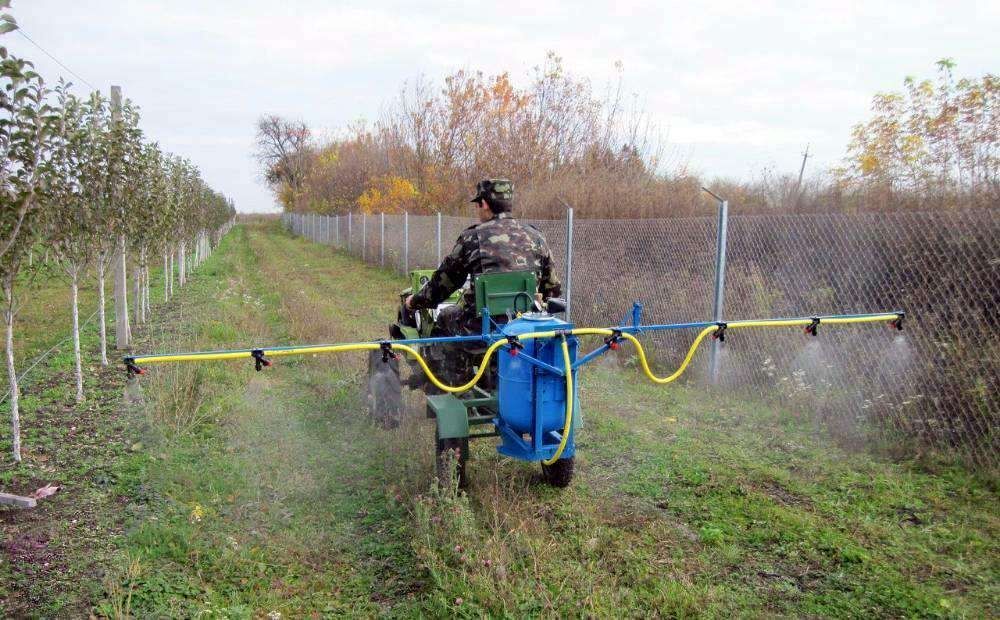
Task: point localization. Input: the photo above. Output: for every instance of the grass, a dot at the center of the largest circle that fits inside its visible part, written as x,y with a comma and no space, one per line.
237,493
52,557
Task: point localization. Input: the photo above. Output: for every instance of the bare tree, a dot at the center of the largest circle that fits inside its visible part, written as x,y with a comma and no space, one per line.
282,152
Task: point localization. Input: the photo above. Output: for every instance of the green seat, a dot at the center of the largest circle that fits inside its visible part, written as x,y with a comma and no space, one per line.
500,292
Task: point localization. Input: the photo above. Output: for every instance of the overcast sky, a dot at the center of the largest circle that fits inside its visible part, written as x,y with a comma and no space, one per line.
733,88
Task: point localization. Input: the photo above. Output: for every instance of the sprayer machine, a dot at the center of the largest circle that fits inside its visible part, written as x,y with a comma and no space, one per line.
523,388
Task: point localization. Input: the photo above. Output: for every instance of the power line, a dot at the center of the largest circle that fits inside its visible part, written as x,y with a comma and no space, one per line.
59,62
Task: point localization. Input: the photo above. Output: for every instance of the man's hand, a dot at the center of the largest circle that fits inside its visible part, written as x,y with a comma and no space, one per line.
407,302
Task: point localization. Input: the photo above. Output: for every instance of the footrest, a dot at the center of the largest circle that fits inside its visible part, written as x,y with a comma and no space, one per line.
451,414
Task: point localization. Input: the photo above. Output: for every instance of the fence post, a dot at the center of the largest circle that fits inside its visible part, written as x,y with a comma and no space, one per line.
720,283
569,262
337,224
364,237
381,240
349,222
406,242
439,237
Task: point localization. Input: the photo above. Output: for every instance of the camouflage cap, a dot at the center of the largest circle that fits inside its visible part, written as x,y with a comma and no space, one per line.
494,191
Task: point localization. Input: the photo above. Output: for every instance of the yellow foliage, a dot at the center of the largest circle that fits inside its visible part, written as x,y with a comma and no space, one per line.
869,163
388,194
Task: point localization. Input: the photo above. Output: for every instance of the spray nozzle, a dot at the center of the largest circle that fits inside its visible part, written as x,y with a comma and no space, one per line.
514,344
614,340
813,327
720,332
131,369
898,321
387,352
259,361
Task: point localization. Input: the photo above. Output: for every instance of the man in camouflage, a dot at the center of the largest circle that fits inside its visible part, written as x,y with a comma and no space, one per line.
497,244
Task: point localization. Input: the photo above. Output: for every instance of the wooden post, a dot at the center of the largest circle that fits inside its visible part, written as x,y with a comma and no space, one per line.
122,334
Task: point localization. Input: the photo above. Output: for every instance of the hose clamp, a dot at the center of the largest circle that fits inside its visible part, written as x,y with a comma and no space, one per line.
813,327
614,340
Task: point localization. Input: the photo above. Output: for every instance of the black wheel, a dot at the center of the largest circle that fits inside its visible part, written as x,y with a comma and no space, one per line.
385,393
558,474
450,456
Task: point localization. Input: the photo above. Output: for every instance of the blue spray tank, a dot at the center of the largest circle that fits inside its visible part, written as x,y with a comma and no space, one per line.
532,391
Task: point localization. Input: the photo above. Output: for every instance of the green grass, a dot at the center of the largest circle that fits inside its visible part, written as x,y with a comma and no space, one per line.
239,493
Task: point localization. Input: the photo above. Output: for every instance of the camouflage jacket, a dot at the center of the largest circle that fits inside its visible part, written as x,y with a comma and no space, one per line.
500,245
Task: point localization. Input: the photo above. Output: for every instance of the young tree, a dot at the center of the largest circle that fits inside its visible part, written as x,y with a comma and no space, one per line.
146,199
26,127
95,185
70,217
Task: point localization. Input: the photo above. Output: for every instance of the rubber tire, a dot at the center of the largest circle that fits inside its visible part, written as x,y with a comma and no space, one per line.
385,392
558,474
442,456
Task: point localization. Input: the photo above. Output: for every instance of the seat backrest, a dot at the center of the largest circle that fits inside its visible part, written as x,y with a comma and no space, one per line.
500,292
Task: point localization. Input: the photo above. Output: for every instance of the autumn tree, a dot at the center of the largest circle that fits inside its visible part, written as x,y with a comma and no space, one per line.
935,143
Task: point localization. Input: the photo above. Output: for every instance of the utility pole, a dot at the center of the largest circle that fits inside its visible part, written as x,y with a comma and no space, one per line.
802,169
122,334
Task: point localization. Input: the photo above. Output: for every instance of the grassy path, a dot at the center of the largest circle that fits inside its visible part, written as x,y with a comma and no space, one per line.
244,494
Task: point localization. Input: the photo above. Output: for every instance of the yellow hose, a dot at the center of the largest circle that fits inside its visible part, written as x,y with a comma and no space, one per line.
569,405
491,350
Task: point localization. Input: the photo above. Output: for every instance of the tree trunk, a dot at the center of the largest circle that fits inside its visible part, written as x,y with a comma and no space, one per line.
15,394
182,260
102,319
136,287
75,284
171,280
147,307
166,278
122,331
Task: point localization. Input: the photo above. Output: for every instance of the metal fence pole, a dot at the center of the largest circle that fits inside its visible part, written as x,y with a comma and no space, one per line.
349,218
720,283
569,262
337,224
364,236
406,242
439,237
381,239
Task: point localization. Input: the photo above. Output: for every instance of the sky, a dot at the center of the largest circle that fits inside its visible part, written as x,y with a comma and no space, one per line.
732,88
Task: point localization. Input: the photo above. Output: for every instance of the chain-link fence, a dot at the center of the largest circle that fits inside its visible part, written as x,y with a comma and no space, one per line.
935,385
